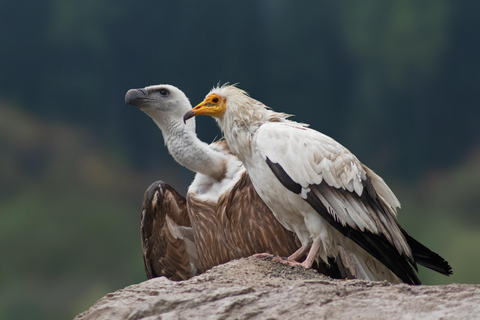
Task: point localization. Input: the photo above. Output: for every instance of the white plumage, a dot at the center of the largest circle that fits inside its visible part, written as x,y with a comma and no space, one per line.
317,188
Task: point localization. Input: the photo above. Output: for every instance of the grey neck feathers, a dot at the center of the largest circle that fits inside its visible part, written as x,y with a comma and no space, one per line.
185,147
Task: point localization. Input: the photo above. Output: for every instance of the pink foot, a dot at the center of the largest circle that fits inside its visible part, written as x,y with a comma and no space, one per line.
287,262
263,255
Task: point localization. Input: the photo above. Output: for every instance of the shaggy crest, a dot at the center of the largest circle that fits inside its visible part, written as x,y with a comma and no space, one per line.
241,101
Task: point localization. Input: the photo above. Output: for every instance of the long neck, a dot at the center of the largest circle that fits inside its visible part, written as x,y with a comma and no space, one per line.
185,147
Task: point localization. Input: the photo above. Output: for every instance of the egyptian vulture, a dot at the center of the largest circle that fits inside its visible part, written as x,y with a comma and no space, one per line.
336,205
222,217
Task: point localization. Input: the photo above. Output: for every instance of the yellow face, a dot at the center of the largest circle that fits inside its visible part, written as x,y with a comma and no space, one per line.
213,106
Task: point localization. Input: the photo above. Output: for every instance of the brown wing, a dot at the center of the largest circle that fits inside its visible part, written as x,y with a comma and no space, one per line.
248,224
167,245
211,248
248,227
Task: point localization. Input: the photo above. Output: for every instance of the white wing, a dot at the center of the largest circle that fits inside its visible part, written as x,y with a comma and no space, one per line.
309,157
351,192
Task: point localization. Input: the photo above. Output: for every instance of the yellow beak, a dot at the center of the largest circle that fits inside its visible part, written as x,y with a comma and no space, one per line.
207,108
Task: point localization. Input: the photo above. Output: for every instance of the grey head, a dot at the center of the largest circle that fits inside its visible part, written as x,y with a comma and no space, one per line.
165,104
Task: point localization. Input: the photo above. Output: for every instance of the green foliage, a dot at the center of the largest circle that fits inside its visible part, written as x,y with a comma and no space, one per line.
70,218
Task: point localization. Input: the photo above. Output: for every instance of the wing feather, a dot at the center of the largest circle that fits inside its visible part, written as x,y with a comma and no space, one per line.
165,225
382,189
249,225
309,157
321,157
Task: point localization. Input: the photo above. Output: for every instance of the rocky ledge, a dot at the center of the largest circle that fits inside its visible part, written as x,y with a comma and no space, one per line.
254,288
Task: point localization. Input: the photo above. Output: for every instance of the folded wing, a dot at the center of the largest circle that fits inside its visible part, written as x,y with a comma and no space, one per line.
166,234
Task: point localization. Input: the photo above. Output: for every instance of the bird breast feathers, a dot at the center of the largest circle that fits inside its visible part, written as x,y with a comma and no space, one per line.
310,157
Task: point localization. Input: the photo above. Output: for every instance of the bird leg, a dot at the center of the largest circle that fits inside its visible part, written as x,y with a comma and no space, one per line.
312,254
297,254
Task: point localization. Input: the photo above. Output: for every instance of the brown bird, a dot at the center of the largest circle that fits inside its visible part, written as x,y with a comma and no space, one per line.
222,218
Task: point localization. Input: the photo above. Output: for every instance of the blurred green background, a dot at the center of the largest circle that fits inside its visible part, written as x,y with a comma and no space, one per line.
397,82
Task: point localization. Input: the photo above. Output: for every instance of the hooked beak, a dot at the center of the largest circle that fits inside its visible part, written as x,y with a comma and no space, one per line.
208,107
188,115
134,97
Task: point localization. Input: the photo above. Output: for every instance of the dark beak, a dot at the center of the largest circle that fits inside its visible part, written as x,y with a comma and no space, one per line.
134,96
188,115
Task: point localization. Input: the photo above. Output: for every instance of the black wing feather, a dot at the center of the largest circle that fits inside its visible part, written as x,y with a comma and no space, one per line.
426,257
284,178
376,245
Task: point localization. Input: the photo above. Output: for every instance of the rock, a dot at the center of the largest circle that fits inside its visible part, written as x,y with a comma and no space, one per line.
254,288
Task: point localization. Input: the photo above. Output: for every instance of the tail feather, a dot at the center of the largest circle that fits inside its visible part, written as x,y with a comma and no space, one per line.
426,257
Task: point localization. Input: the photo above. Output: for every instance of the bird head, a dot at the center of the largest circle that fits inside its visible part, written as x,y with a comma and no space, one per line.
163,103
229,102
214,105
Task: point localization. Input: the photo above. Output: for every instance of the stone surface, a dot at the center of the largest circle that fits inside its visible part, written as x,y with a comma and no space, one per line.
254,288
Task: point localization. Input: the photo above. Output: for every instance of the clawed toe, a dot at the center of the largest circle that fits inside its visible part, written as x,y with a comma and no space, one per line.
286,261
263,255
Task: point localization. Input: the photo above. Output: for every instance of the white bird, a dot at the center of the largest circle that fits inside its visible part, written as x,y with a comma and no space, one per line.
222,216
315,187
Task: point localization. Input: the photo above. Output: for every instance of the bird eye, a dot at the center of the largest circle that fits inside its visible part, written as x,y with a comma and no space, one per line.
163,91
215,100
